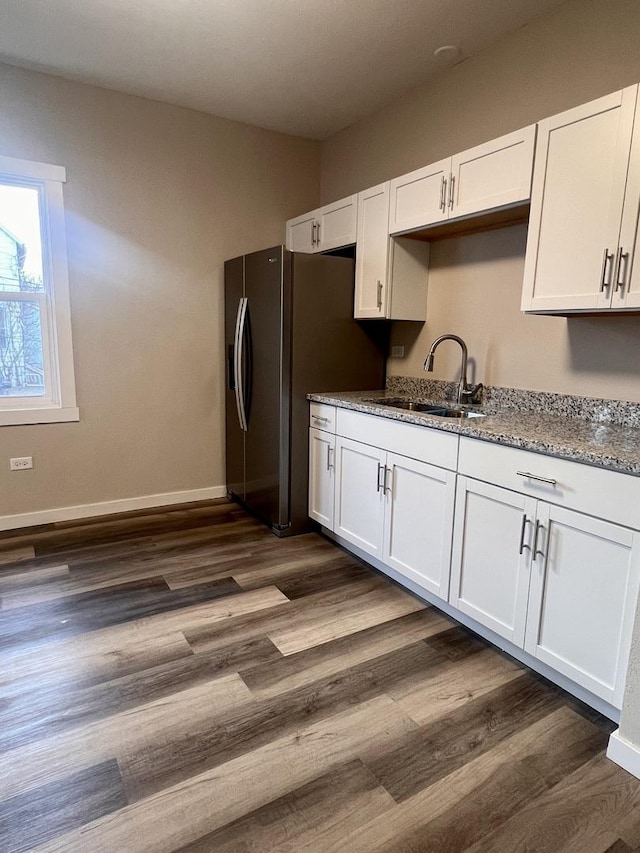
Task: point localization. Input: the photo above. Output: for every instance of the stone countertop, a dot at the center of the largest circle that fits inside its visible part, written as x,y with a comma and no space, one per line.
605,445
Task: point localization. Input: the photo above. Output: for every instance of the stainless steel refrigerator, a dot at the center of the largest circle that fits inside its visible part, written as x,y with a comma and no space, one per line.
289,331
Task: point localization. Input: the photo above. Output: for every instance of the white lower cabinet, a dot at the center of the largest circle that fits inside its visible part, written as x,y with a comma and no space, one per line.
546,555
397,509
490,563
558,583
322,446
582,601
360,496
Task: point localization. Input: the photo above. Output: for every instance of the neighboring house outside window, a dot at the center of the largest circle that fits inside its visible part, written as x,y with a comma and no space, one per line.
36,364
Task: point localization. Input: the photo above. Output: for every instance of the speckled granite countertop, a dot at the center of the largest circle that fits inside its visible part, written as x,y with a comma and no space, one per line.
607,445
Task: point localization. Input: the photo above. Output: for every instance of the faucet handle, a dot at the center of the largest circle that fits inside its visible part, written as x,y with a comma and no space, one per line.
472,393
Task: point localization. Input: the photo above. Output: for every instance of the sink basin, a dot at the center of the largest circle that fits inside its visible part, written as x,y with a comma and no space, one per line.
457,413
430,409
410,406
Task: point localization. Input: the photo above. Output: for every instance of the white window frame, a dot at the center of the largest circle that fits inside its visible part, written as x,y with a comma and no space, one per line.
59,403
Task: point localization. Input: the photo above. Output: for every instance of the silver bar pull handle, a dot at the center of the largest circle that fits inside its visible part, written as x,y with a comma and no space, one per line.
525,521
379,485
387,471
607,258
621,268
379,298
329,461
536,551
241,320
452,191
317,234
443,188
321,420
529,476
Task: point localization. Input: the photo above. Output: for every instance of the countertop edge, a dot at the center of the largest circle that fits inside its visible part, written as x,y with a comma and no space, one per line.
503,429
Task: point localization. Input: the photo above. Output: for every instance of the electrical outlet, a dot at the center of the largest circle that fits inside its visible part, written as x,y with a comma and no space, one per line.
21,463
397,352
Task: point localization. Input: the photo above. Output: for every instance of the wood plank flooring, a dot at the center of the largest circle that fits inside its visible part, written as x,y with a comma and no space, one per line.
182,680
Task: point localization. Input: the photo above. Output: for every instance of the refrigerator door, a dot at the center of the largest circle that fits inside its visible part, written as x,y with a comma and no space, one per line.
235,436
330,352
268,294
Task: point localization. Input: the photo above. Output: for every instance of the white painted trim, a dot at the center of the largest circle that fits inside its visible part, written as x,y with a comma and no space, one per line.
539,666
69,513
32,169
44,415
55,309
624,753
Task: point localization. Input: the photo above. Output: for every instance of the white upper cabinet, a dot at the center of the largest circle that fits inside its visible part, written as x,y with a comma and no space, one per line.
337,224
330,227
576,259
301,233
391,275
626,288
419,198
496,174
372,253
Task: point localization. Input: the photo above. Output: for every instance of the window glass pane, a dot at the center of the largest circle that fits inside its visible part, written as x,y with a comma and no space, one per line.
20,239
21,362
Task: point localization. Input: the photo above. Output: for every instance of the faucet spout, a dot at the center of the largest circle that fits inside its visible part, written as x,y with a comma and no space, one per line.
466,392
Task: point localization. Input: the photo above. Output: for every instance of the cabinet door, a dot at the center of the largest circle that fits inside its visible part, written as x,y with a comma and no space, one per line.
584,588
337,224
576,205
491,556
301,233
626,287
496,174
360,501
419,522
322,446
419,198
372,253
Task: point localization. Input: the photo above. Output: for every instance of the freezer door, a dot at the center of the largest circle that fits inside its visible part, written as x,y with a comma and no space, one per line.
268,294
233,295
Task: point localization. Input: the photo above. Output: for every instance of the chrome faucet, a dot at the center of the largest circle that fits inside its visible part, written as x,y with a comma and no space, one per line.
466,393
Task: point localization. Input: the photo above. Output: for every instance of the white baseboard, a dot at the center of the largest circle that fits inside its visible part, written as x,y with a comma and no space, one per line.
624,753
70,513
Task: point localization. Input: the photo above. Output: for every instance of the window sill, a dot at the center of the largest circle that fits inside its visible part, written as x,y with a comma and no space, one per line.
53,415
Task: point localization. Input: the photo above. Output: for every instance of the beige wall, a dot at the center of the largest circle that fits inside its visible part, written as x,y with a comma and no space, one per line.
579,51
156,197
474,287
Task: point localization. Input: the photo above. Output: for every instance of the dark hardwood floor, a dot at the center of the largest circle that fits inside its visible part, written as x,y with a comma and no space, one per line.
182,680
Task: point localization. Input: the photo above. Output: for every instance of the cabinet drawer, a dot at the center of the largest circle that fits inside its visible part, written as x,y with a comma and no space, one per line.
595,491
417,442
322,416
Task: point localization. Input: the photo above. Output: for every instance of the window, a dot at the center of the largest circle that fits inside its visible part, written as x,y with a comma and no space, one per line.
36,361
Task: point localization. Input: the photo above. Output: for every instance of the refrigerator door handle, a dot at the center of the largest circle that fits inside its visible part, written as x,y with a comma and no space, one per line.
241,320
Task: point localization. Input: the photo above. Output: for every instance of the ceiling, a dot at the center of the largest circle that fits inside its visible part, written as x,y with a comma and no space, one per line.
307,67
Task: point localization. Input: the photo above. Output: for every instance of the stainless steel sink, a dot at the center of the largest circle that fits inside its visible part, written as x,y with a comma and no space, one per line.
456,413
411,406
430,409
